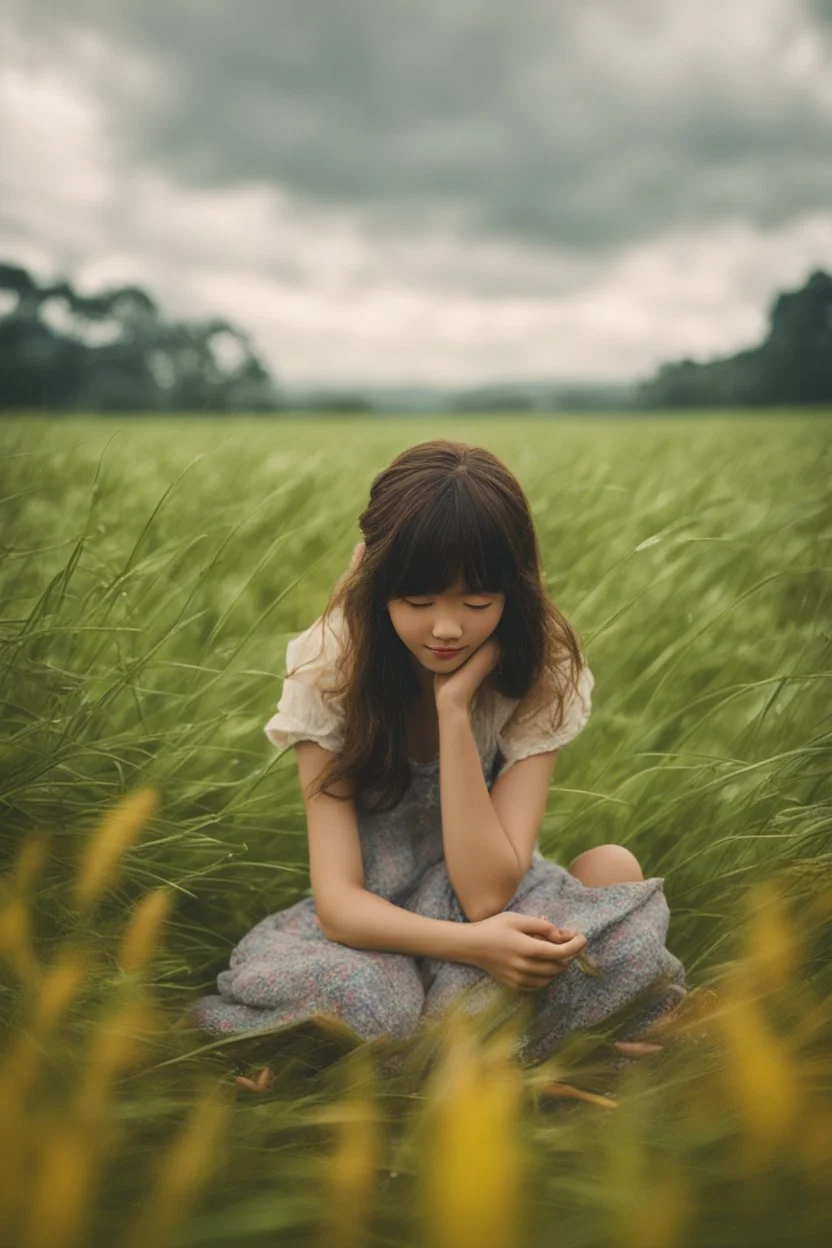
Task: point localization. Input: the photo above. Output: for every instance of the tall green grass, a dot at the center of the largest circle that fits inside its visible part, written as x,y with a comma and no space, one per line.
152,572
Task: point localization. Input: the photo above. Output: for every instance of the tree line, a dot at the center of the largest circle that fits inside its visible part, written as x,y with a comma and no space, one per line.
116,352
791,366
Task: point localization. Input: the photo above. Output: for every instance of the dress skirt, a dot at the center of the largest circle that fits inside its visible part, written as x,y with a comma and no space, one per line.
285,971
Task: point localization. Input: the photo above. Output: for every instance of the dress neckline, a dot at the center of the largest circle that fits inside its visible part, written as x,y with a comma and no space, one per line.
430,763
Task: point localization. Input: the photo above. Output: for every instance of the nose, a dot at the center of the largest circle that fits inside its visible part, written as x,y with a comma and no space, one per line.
447,636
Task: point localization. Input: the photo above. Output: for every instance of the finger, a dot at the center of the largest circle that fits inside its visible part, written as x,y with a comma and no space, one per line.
534,924
552,951
543,975
555,933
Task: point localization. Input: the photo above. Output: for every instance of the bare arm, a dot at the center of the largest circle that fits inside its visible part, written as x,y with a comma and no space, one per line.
367,921
481,858
347,911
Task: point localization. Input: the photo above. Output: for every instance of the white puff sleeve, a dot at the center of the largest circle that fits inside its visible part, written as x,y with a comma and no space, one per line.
305,712
524,735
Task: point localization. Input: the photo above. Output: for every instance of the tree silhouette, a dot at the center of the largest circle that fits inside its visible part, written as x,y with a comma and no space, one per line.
792,366
114,352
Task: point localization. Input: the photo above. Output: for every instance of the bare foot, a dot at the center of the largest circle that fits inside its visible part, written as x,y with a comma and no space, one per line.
260,1084
636,1048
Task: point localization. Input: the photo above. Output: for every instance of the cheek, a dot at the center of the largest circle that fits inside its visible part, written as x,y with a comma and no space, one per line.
401,626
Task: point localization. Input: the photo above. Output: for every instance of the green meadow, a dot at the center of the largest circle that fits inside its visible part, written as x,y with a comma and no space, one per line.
151,574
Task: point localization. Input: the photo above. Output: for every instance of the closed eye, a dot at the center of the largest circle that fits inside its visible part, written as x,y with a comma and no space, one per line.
472,606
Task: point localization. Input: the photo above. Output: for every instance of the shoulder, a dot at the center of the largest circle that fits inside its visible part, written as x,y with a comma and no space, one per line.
535,724
307,711
572,702
311,656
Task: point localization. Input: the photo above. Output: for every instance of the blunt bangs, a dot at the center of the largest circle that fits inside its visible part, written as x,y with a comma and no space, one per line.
449,540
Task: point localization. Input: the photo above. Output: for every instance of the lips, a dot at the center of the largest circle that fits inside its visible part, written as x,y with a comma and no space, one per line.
445,654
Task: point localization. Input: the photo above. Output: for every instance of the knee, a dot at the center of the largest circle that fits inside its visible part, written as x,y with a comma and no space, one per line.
606,864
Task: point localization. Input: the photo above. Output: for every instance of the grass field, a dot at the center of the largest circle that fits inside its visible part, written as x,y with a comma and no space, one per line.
152,572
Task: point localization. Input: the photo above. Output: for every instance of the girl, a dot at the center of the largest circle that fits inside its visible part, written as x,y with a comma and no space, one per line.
426,708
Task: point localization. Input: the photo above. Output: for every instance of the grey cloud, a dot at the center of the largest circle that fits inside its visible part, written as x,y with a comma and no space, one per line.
582,127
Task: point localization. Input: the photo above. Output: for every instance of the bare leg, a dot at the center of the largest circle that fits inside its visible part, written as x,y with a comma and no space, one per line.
612,864
607,864
261,1083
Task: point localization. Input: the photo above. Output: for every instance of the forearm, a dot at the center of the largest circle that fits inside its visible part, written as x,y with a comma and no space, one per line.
367,921
481,861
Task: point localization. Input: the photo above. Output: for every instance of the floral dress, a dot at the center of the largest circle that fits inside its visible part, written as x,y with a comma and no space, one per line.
285,971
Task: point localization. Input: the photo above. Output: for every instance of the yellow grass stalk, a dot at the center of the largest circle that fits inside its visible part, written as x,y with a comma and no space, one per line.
659,1212
183,1170
21,1065
774,947
113,1048
52,1209
31,858
475,1163
15,910
820,907
351,1170
760,1077
648,1197
62,1193
115,833
16,942
143,930
59,988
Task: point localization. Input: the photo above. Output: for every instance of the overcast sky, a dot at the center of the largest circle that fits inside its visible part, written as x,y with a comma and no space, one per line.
427,192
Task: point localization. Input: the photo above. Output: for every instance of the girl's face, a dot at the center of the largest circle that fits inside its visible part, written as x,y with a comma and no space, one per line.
454,620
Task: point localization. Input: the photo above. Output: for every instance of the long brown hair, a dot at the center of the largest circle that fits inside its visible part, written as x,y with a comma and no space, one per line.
440,512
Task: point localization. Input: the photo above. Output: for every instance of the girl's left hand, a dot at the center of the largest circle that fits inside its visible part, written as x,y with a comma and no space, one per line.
458,688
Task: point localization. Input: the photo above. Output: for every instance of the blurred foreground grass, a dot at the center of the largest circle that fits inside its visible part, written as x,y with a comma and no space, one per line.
151,575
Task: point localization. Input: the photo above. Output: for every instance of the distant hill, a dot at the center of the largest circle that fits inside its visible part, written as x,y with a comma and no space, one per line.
513,396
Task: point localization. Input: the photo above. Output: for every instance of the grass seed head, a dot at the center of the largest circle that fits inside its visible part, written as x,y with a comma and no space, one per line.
475,1163
60,986
142,934
117,831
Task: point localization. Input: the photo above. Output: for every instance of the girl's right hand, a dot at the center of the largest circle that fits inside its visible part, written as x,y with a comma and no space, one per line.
521,950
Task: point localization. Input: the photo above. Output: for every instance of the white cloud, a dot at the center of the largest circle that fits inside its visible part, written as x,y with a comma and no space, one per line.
327,299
